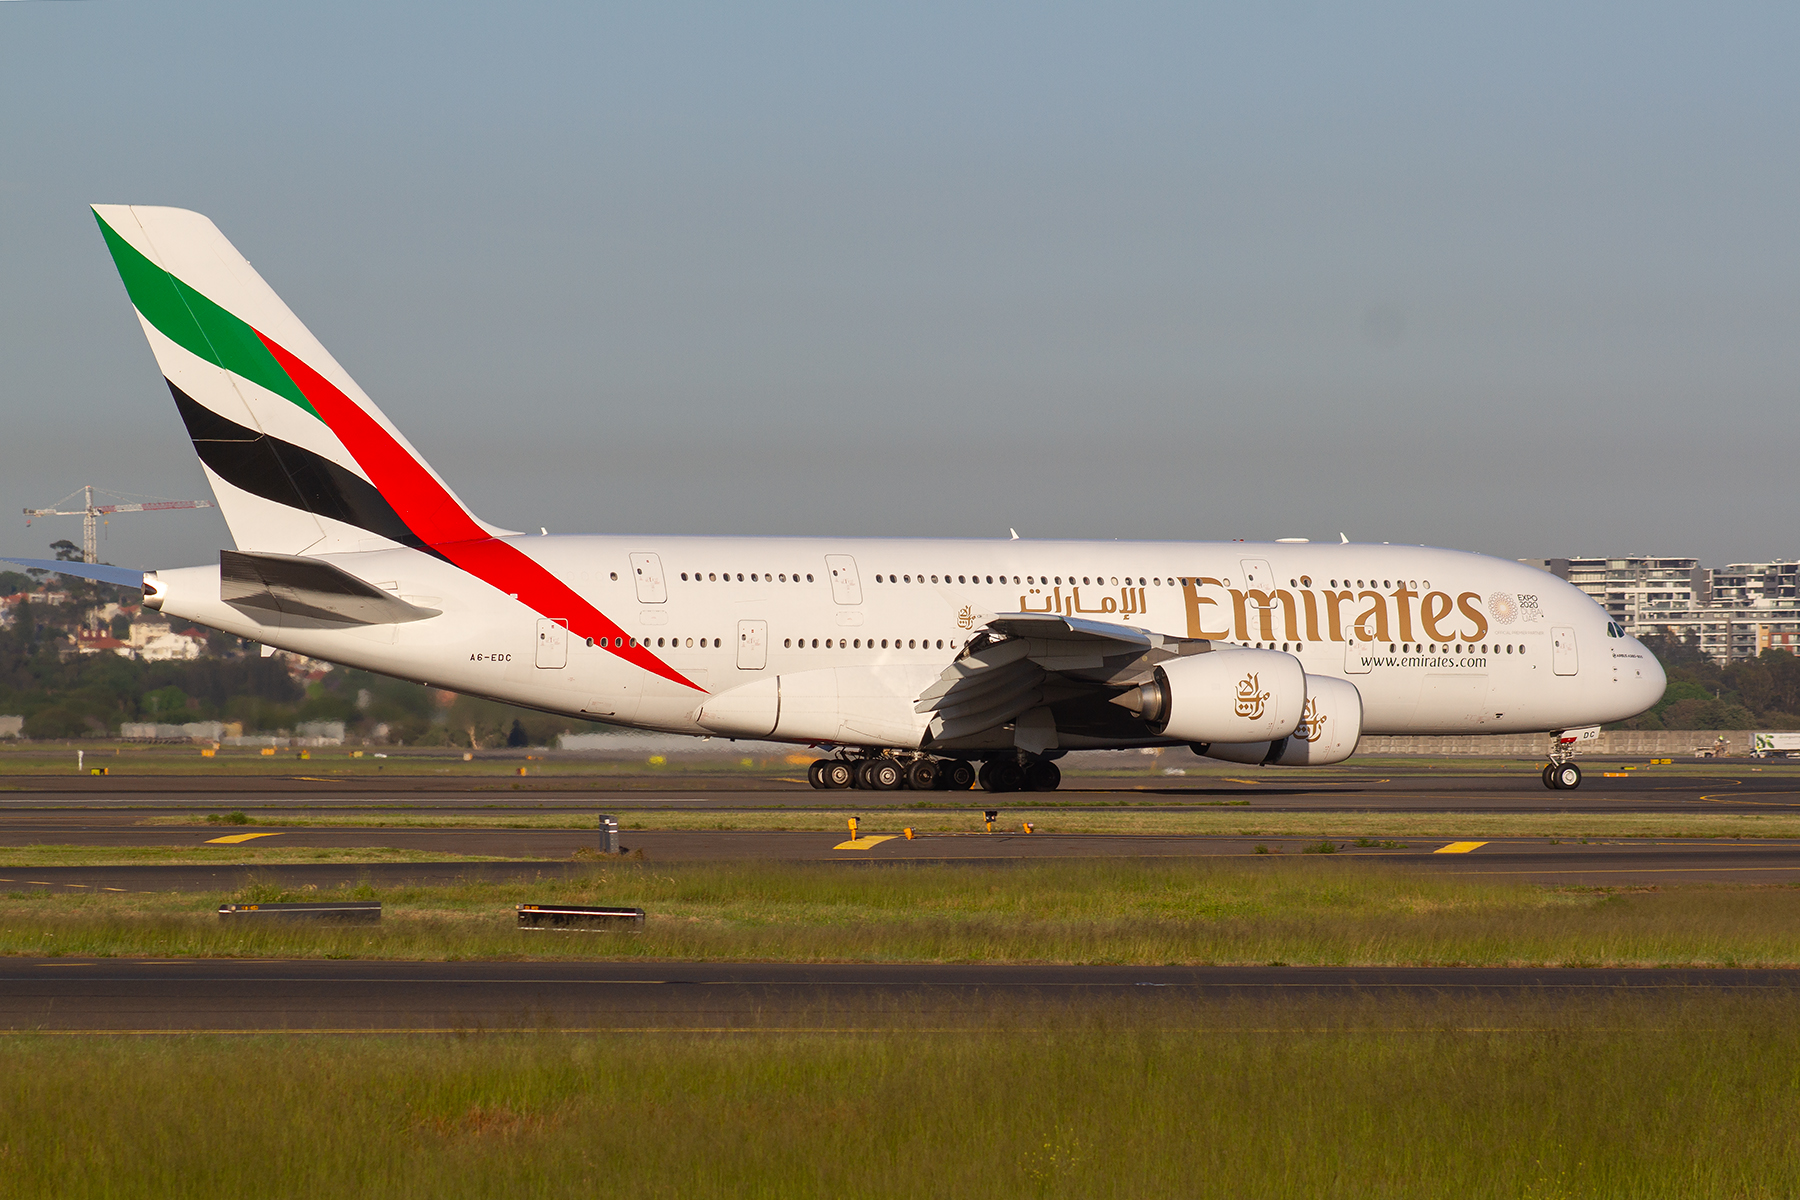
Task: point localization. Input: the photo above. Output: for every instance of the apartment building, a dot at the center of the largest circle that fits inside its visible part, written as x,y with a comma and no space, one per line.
1731,612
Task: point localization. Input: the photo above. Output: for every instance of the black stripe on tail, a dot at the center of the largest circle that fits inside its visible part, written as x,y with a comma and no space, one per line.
289,474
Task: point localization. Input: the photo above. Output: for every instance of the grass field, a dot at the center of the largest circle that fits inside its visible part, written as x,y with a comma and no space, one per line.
1315,910
1366,1098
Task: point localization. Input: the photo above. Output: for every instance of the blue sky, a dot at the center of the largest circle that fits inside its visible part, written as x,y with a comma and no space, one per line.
1519,279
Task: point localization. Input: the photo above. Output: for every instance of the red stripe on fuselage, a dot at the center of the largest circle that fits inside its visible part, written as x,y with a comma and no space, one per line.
430,511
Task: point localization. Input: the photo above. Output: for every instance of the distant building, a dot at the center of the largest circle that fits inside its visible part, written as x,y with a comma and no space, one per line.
155,731
12,727
156,641
1728,613
90,641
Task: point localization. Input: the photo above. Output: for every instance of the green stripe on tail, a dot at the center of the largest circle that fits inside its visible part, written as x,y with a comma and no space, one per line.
195,323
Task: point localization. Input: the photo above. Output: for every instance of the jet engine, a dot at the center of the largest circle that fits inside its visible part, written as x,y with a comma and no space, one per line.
1327,733
1223,696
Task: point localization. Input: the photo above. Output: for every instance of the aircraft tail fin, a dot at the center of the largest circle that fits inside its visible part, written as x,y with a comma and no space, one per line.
300,459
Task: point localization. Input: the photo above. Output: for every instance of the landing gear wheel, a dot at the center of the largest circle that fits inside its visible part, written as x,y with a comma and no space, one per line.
1043,776
812,774
1548,781
922,776
958,776
1002,775
1567,777
835,773
880,775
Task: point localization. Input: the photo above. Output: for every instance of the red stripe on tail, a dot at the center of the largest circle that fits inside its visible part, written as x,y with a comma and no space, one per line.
430,511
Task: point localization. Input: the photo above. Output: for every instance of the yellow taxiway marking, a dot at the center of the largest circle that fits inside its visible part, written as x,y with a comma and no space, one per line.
866,843
232,839
1459,847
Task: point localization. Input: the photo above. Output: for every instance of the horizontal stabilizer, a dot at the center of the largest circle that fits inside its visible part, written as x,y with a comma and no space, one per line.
98,572
296,586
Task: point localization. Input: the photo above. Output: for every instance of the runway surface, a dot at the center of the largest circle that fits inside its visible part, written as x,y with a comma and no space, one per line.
66,995
115,811
1624,861
1730,786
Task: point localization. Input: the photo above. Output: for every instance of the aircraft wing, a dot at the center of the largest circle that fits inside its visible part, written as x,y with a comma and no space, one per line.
98,572
1022,661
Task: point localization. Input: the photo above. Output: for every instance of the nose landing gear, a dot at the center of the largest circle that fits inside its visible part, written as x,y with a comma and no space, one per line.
1562,774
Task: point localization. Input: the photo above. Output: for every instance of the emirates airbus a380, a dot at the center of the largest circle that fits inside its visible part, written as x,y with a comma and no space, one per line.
913,662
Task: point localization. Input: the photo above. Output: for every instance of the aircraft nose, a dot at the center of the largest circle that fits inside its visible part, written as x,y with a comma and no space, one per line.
1653,680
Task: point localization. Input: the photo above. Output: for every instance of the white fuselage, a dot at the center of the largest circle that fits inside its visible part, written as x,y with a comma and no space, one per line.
1436,641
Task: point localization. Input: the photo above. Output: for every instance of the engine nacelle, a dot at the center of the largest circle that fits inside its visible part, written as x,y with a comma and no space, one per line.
1223,696
1327,733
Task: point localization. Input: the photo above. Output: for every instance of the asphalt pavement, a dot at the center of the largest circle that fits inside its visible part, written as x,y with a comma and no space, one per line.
1444,785
125,996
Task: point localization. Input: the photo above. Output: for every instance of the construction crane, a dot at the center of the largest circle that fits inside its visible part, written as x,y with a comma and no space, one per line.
90,514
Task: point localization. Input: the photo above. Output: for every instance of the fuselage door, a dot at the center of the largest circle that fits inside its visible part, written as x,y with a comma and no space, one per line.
1562,650
1356,652
1257,574
647,570
753,645
552,643
846,587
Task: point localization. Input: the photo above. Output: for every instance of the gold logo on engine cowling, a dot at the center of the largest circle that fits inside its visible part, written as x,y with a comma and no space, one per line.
1250,701
966,618
1312,722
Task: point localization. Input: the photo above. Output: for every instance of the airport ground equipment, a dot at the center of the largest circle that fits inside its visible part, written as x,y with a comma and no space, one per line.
579,917
609,834
349,912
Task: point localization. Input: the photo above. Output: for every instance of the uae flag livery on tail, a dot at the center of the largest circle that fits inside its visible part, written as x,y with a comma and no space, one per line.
300,459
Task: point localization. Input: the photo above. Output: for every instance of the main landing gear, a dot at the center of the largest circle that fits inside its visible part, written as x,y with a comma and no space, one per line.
888,773
1012,775
922,773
